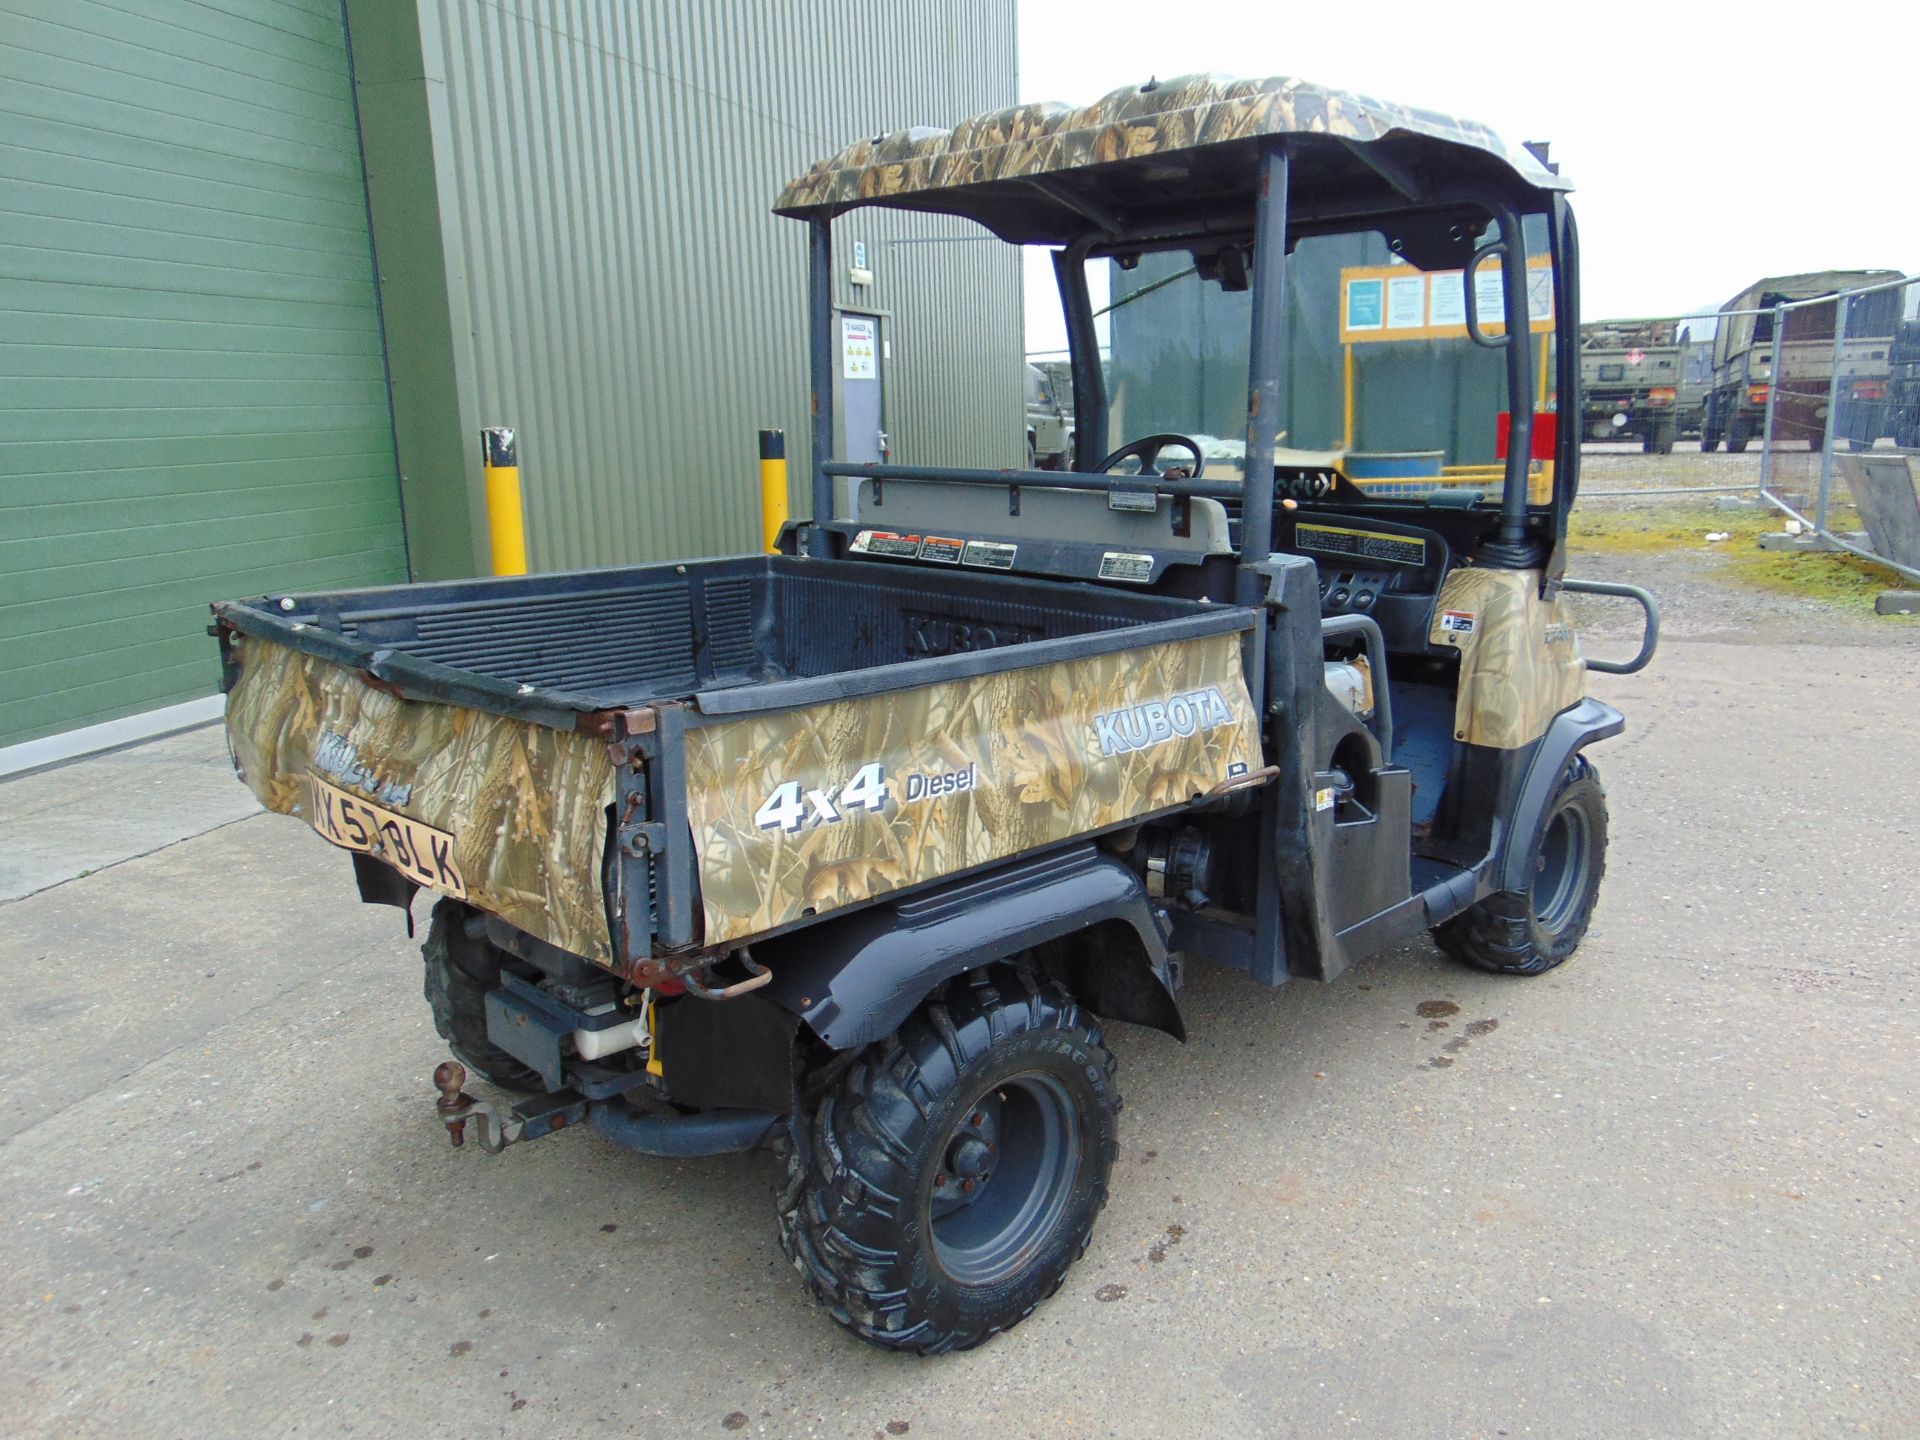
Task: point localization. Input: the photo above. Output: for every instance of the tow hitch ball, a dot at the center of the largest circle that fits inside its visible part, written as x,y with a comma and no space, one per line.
456,1108
454,1103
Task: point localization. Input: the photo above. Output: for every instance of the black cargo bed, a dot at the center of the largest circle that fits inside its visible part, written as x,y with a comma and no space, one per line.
781,630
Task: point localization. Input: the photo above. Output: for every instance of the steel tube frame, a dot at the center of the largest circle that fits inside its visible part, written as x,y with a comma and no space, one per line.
1519,348
1840,309
820,368
1267,357
1083,352
1773,391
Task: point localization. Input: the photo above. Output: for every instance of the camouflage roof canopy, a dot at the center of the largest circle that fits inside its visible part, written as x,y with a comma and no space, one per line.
1182,149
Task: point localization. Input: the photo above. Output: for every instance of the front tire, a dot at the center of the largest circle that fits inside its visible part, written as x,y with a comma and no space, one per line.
957,1167
1516,933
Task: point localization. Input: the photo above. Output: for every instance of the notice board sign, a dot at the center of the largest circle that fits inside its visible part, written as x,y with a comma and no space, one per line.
1398,302
859,347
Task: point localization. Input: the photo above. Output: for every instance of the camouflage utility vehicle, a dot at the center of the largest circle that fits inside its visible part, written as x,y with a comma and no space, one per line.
1796,378
1634,383
718,872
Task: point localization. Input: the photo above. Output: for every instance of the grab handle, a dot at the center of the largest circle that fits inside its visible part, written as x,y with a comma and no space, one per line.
1649,641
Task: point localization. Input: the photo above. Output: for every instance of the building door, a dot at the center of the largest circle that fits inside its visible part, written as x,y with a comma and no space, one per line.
860,390
196,400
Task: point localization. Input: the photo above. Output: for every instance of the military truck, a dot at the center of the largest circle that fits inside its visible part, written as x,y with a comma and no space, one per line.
1049,416
1634,383
1902,405
1799,379
854,850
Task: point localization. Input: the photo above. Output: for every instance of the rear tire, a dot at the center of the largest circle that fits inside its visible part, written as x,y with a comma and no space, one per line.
957,1167
460,972
1528,933
1738,433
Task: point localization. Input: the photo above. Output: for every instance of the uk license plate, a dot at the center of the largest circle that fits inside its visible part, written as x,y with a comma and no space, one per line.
421,852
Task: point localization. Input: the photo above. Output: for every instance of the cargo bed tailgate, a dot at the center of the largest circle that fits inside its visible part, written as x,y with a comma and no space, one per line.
508,814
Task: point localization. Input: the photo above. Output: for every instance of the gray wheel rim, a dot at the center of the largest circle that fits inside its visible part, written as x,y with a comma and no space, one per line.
1006,1175
1566,852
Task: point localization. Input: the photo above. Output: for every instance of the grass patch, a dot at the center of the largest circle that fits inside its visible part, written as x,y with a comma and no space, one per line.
1839,580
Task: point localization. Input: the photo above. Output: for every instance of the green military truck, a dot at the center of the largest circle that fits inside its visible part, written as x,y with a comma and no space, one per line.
1900,405
1635,383
854,850
1794,380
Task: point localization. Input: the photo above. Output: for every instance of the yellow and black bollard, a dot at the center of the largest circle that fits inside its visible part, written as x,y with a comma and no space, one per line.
773,486
506,511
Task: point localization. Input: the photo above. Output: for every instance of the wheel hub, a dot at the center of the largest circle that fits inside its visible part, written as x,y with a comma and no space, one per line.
968,1163
970,1158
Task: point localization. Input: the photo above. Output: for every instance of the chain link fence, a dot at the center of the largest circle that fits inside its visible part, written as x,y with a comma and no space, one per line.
1804,392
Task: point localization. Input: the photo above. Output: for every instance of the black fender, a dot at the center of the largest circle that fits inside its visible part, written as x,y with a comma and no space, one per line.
854,980
1570,732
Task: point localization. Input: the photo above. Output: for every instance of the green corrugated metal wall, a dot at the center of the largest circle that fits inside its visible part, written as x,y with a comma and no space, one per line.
193,398
571,199
607,171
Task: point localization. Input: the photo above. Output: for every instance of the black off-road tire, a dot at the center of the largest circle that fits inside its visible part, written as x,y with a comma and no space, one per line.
460,972
863,1221
1528,933
1738,433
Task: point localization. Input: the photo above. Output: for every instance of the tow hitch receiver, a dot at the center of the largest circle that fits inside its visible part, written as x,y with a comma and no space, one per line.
531,1118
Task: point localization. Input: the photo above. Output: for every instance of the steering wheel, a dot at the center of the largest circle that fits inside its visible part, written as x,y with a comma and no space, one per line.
1145,451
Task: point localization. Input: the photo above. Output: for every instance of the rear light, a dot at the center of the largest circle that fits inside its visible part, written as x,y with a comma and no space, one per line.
1660,396
1757,394
1869,390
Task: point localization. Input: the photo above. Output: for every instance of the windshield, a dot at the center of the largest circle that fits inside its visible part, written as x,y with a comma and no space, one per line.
1380,368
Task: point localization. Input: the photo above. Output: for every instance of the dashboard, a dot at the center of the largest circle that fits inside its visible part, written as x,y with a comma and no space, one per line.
1379,568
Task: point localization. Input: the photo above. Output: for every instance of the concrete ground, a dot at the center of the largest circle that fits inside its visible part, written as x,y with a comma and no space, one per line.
1667,1190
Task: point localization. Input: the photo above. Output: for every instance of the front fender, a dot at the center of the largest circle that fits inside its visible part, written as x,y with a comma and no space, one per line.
854,980
1570,732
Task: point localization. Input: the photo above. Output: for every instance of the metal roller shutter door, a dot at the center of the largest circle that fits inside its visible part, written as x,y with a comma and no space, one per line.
193,398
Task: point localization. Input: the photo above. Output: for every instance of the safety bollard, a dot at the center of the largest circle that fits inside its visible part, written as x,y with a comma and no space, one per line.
506,511
773,486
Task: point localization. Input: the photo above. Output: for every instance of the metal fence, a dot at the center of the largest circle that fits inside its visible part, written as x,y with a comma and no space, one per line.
1807,396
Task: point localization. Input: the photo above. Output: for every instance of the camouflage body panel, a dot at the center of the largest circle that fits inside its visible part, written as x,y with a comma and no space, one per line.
1015,759
526,805
1182,114
1520,662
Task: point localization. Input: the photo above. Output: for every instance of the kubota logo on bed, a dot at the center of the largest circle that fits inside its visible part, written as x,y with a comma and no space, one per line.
1139,727
338,756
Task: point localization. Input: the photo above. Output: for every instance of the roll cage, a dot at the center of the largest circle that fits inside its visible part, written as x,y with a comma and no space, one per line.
1225,170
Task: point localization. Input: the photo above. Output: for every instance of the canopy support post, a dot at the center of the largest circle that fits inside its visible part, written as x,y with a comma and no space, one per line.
1269,357
820,364
1083,343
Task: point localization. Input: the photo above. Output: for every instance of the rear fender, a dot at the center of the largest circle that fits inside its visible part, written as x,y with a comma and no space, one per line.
854,980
